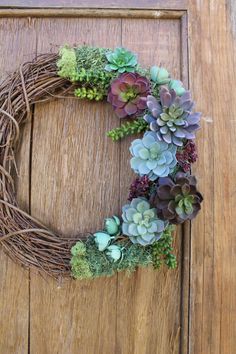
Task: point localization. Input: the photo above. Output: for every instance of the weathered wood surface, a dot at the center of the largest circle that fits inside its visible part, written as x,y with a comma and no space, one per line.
93,174
14,281
136,4
140,314
213,266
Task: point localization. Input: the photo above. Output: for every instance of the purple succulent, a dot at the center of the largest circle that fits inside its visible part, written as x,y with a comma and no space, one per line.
128,94
171,117
177,201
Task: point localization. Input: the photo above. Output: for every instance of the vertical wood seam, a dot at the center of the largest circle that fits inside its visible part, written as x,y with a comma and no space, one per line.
185,230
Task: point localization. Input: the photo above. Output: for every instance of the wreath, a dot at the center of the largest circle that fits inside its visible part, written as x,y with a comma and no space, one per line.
163,194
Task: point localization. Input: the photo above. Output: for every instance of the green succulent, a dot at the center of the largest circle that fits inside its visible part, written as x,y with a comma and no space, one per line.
102,240
114,252
159,75
177,86
112,225
121,60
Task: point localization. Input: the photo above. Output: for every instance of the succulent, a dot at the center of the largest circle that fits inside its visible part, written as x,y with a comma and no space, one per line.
177,86
171,117
177,201
112,225
152,157
140,222
128,94
102,240
187,155
159,75
121,60
140,187
114,252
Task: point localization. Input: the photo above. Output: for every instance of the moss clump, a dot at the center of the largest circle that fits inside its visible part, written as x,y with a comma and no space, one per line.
162,250
95,263
67,64
86,66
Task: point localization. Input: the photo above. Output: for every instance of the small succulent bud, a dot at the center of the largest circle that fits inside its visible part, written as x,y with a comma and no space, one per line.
112,225
102,240
114,252
159,75
177,86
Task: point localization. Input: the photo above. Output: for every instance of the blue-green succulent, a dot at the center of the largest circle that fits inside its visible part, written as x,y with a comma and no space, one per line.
102,240
112,225
121,60
152,157
114,252
140,222
177,85
159,75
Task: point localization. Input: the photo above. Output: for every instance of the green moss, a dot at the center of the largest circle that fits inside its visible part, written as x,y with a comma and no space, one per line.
93,263
67,64
80,268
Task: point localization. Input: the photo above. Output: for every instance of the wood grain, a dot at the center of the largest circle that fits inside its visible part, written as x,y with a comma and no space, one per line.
83,13
149,302
75,183
18,44
213,271
137,4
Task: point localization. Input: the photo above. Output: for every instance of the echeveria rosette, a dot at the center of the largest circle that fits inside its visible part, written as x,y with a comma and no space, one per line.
128,94
152,157
171,117
140,222
179,200
121,60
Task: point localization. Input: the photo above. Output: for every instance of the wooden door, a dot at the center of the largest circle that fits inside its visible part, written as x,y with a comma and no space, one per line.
72,176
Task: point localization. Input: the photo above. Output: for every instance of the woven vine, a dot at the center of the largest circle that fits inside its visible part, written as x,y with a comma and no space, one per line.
163,194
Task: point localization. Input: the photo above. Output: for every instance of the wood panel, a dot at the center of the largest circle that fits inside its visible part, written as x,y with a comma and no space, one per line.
75,181
18,44
150,4
213,271
148,318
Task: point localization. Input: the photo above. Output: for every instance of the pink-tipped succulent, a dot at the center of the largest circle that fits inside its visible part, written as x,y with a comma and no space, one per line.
128,94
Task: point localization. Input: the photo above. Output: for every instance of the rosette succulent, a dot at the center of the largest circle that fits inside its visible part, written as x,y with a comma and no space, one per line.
121,60
152,157
128,94
177,201
141,223
171,117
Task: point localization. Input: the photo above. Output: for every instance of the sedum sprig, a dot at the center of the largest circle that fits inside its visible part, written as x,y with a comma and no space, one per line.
128,128
162,250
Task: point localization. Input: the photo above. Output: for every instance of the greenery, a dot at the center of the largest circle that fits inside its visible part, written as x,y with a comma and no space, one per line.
67,64
96,263
129,128
88,262
162,250
85,65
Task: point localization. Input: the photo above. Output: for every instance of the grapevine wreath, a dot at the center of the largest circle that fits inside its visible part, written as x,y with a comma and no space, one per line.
163,194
